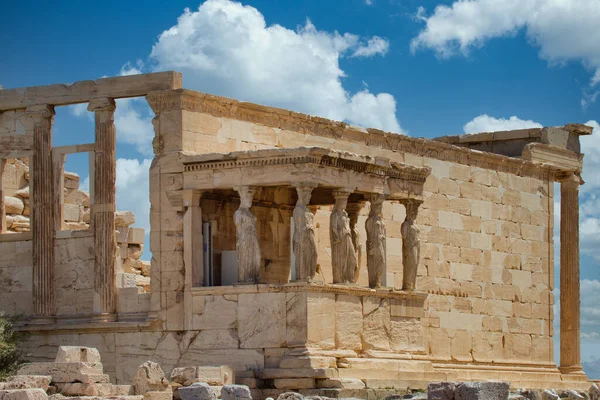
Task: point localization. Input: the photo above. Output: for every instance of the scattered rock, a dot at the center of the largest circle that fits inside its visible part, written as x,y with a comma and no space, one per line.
481,390
149,378
290,396
197,391
13,205
550,395
532,394
235,392
23,394
135,251
594,392
78,197
572,395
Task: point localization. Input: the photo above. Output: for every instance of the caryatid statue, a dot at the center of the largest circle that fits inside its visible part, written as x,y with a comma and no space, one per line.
353,210
411,247
343,254
247,245
376,246
304,243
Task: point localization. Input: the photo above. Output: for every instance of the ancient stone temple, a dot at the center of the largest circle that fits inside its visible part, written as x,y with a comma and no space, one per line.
302,252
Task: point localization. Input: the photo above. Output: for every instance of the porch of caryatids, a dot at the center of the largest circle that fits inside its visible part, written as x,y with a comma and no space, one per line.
247,244
376,242
570,356
103,209
344,262
411,246
304,243
42,210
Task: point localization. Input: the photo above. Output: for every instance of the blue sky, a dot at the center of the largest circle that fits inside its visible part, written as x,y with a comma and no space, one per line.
423,68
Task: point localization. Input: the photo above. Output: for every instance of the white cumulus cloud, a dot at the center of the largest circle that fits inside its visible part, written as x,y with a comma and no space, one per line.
485,123
563,30
227,49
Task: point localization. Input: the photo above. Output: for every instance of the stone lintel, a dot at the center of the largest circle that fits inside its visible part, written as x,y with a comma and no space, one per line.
562,160
83,91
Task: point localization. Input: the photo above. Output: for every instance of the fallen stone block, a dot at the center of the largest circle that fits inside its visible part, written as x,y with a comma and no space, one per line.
594,392
28,382
481,391
23,394
13,205
340,383
222,375
441,391
164,395
84,372
61,397
197,391
532,394
72,354
573,395
87,389
124,218
149,378
235,392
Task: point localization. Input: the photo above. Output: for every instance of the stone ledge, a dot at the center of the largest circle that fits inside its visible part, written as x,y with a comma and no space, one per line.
85,323
386,293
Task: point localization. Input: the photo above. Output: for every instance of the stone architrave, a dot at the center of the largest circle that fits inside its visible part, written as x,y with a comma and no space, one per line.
570,358
247,244
411,246
103,209
42,210
376,242
343,254
353,210
304,242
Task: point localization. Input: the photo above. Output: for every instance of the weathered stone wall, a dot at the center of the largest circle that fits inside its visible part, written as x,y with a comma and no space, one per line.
486,224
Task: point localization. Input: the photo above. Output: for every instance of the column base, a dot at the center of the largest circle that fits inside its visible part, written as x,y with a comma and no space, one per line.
42,320
104,317
571,369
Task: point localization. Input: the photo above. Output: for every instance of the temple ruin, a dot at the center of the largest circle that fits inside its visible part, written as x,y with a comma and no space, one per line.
302,252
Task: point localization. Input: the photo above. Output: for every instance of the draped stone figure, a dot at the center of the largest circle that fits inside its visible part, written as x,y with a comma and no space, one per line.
343,255
376,245
411,247
353,210
247,245
304,243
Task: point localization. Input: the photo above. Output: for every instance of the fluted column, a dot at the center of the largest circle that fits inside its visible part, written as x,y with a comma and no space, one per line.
570,358
42,210
103,209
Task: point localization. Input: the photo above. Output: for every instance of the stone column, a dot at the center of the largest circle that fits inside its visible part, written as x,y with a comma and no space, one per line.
103,209
247,244
376,242
3,226
42,210
569,274
304,243
343,255
411,246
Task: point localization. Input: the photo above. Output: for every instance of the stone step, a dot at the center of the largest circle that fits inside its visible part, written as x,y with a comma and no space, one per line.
387,364
281,373
308,362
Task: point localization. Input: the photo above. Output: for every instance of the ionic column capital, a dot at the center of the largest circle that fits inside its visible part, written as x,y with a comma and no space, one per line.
102,104
40,112
341,193
569,179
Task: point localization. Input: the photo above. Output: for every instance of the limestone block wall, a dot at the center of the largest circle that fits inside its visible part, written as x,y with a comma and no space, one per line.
486,224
